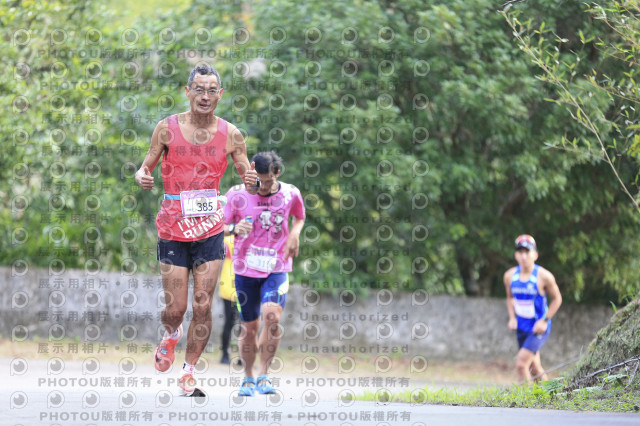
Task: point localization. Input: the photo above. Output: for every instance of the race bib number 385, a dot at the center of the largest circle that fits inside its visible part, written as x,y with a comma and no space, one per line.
203,202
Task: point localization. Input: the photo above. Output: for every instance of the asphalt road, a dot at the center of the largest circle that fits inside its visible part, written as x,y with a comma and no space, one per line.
78,393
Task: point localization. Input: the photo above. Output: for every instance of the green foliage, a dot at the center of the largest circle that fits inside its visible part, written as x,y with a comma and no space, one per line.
614,307
61,172
349,140
553,386
416,131
615,380
600,98
489,177
592,75
128,12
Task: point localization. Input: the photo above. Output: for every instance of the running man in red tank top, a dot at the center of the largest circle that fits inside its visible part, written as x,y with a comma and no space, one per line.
194,147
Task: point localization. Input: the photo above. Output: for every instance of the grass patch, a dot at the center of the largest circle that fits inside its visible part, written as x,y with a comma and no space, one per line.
611,396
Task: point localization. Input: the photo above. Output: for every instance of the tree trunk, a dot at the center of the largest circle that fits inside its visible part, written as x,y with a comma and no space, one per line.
466,267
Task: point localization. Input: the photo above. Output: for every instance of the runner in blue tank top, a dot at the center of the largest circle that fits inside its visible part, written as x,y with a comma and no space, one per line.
527,286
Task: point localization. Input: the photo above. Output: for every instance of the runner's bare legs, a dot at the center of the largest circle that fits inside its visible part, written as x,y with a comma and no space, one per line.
523,364
267,343
537,370
270,335
205,279
175,281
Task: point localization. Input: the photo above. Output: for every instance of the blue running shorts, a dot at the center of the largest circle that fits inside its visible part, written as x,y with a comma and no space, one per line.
532,342
254,292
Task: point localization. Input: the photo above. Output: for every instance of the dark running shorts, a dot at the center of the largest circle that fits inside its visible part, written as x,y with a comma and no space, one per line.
253,292
532,342
190,254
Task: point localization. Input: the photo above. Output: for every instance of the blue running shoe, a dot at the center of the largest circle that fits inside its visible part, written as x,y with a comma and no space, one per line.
264,386
248,387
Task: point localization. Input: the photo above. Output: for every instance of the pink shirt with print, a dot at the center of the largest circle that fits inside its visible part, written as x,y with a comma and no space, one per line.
262,251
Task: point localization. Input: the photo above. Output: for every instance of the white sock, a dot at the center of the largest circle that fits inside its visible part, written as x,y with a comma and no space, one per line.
188,368
174,335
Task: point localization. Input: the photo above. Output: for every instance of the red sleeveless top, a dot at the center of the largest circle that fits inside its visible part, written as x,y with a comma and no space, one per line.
187,166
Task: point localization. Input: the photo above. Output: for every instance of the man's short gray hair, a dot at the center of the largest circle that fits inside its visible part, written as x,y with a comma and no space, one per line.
204,70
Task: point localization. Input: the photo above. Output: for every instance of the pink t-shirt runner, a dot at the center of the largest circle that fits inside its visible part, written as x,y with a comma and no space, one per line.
262,251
